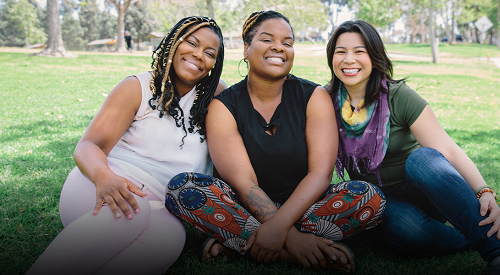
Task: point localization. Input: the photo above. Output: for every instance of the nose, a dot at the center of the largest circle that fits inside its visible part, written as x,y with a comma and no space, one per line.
349,58
278,47
198,53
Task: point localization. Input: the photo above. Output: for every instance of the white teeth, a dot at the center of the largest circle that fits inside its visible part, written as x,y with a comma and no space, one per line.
275,59
191,65
350,71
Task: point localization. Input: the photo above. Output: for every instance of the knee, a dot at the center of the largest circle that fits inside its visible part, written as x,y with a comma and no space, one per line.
426,165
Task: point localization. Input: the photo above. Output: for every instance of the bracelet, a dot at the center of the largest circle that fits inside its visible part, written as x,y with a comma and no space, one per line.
484,190
481,188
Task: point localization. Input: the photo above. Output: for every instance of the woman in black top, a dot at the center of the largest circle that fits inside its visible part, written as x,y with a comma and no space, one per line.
273,139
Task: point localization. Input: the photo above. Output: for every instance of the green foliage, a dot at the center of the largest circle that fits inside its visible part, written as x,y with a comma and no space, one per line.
72,33
20,24
139,22
379,13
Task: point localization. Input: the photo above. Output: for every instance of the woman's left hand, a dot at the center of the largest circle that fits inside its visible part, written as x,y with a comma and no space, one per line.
488,204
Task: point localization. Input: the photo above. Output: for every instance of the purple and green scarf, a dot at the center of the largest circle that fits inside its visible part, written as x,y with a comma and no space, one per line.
363,144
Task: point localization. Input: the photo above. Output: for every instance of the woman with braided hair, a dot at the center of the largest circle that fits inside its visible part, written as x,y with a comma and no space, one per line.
273,139
150,127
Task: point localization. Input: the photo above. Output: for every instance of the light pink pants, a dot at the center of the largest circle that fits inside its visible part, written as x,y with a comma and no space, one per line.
101,244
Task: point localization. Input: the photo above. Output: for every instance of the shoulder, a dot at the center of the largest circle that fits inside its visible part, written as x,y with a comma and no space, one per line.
233,91
400,89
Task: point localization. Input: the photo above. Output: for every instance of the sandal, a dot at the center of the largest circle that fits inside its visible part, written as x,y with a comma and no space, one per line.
351,259
206,255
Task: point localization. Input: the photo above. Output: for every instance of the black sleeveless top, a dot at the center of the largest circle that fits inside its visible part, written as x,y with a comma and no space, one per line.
279,160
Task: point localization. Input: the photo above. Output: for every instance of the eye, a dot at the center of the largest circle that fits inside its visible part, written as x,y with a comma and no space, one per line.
192,43
267,40
339,52
210,54
288,44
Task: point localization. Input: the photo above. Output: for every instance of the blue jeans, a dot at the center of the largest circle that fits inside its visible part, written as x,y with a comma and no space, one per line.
415,215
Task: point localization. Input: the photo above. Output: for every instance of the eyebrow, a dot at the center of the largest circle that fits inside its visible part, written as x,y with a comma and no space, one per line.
198,41
266,33
356,47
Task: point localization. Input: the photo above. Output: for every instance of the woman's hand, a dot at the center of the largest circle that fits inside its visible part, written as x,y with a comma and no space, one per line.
117,192
488,204
312,251
266,242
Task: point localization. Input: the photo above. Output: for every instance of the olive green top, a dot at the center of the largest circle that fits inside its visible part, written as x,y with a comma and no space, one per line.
405,107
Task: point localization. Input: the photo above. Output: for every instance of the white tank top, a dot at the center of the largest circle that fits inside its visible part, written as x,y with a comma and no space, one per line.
153,144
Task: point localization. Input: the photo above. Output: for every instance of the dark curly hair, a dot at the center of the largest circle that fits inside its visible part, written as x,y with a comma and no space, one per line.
165,95
382,65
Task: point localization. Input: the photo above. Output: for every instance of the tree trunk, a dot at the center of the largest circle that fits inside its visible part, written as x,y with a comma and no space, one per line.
55,46
453,39
434,47
26,37
498,23
211,12
122,10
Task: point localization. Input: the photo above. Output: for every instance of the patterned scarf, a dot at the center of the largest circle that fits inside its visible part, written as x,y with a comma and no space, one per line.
363,133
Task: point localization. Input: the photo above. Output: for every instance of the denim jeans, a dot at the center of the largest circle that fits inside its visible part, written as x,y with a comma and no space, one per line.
415,215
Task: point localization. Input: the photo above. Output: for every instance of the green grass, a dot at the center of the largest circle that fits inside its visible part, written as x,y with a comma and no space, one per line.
47,103
447,50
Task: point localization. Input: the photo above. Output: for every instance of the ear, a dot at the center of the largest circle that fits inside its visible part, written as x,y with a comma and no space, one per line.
245,50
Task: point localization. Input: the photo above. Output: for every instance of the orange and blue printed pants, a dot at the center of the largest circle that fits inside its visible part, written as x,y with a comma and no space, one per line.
211,206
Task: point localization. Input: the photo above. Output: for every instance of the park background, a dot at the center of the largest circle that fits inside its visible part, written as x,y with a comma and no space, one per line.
46,103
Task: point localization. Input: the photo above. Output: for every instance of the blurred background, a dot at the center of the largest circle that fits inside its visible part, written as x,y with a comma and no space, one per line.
100,25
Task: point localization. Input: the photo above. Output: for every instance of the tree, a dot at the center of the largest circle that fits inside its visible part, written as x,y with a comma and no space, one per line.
72,32
139,22
379,13
434,44
55,46
20,24
121,7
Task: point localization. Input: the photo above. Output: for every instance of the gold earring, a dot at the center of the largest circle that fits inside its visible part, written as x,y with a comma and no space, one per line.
289,75
244,60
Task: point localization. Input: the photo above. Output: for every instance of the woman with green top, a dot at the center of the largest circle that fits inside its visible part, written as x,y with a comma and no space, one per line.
389,136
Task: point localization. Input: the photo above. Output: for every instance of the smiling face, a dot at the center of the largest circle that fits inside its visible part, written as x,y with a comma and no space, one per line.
351,62
271,53
194,58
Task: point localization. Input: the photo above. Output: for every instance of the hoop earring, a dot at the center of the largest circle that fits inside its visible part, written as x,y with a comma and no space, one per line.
244,60
289,75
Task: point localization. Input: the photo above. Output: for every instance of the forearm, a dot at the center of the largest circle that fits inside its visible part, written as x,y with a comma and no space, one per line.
466,168
91,160
308,192
257,203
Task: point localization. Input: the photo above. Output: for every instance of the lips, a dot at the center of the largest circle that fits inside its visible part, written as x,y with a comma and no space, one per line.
275,59
192,65
350,71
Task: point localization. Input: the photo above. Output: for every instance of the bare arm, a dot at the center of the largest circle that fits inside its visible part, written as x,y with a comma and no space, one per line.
109,124
429,133
232,162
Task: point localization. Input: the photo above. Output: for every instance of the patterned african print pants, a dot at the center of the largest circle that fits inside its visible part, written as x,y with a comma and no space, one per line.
211,206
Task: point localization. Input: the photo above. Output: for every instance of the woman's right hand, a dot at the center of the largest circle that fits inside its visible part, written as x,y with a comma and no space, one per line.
266,242
116,192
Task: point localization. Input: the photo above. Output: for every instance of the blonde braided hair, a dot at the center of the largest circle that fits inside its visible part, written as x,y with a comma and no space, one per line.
255,19
165,95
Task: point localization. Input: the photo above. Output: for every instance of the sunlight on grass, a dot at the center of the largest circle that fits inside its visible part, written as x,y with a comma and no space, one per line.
47,103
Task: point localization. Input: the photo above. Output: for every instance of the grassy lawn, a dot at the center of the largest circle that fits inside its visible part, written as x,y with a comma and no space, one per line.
47,103
447,50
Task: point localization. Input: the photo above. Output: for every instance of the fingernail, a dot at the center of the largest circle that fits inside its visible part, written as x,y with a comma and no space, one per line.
130,216
137,211
95,212
118,215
